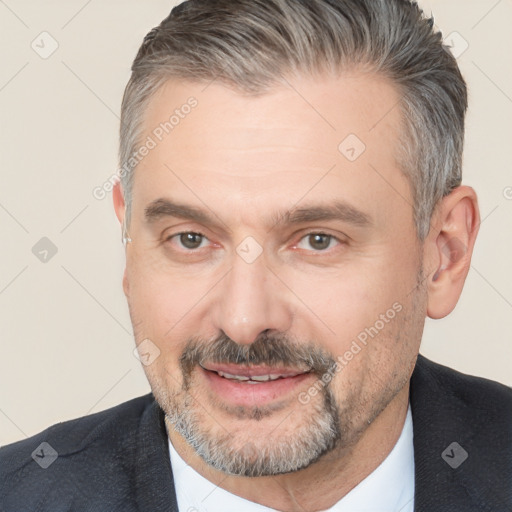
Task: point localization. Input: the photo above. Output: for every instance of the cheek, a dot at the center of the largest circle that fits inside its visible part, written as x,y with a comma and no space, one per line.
168,308
342,304
155,290
379,355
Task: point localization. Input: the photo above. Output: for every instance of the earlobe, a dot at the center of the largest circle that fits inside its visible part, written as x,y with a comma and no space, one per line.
451,245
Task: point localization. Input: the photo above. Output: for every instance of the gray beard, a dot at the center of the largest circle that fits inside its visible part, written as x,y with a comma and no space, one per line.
326,425
320,435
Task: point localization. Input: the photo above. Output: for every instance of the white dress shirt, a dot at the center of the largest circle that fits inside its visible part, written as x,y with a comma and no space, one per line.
389,488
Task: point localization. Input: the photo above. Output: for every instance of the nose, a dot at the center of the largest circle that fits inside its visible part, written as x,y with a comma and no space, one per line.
251,299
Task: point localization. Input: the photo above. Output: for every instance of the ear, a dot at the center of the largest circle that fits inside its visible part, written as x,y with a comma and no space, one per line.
449,247
119,207
118,197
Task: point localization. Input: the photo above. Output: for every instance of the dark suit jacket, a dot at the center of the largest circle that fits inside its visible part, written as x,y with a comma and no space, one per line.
118,459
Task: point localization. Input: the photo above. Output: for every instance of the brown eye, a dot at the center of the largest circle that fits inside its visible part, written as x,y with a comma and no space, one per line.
191,240
186,240
319,241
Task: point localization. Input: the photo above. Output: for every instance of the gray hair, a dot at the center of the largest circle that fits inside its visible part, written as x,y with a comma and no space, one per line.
251,45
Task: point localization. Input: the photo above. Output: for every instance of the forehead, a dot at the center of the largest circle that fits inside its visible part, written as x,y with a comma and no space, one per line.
360,103
327,136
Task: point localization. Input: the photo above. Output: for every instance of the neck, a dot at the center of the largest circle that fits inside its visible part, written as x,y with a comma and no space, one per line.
323,483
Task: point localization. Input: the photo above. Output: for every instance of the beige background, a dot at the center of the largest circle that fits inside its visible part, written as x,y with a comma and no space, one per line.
64,327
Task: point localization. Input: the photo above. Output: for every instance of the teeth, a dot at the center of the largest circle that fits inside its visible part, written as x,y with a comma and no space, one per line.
235,377
254,378
260,378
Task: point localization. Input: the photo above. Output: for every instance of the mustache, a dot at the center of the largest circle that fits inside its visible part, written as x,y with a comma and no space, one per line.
266,350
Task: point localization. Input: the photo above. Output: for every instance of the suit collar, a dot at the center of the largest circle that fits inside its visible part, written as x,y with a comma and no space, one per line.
445,429
154,485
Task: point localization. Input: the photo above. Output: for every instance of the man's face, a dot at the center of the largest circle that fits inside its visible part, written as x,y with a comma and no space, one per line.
305,255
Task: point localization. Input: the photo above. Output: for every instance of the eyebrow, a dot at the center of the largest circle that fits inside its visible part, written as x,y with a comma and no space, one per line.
337,210
165,208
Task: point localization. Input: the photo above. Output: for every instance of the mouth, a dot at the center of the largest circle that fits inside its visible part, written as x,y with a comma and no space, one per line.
252,385
252,374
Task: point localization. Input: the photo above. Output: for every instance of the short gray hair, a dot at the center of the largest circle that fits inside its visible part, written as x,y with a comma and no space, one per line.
251,45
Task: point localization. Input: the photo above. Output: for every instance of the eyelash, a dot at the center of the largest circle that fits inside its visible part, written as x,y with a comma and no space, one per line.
332,237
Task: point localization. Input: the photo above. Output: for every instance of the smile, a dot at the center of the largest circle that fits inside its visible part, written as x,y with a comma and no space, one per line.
252,385
254,378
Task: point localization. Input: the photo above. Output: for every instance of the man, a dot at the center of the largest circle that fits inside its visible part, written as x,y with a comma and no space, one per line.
292,210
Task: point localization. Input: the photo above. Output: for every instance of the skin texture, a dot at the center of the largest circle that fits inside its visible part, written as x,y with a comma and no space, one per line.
244,160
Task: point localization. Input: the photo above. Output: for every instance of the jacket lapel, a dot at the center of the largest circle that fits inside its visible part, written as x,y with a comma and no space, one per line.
458,464
154,484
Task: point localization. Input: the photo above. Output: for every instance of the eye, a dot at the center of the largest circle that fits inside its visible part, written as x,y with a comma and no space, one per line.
189,239
317,241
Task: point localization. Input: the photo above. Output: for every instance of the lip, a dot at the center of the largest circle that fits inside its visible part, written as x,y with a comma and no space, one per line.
250,393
